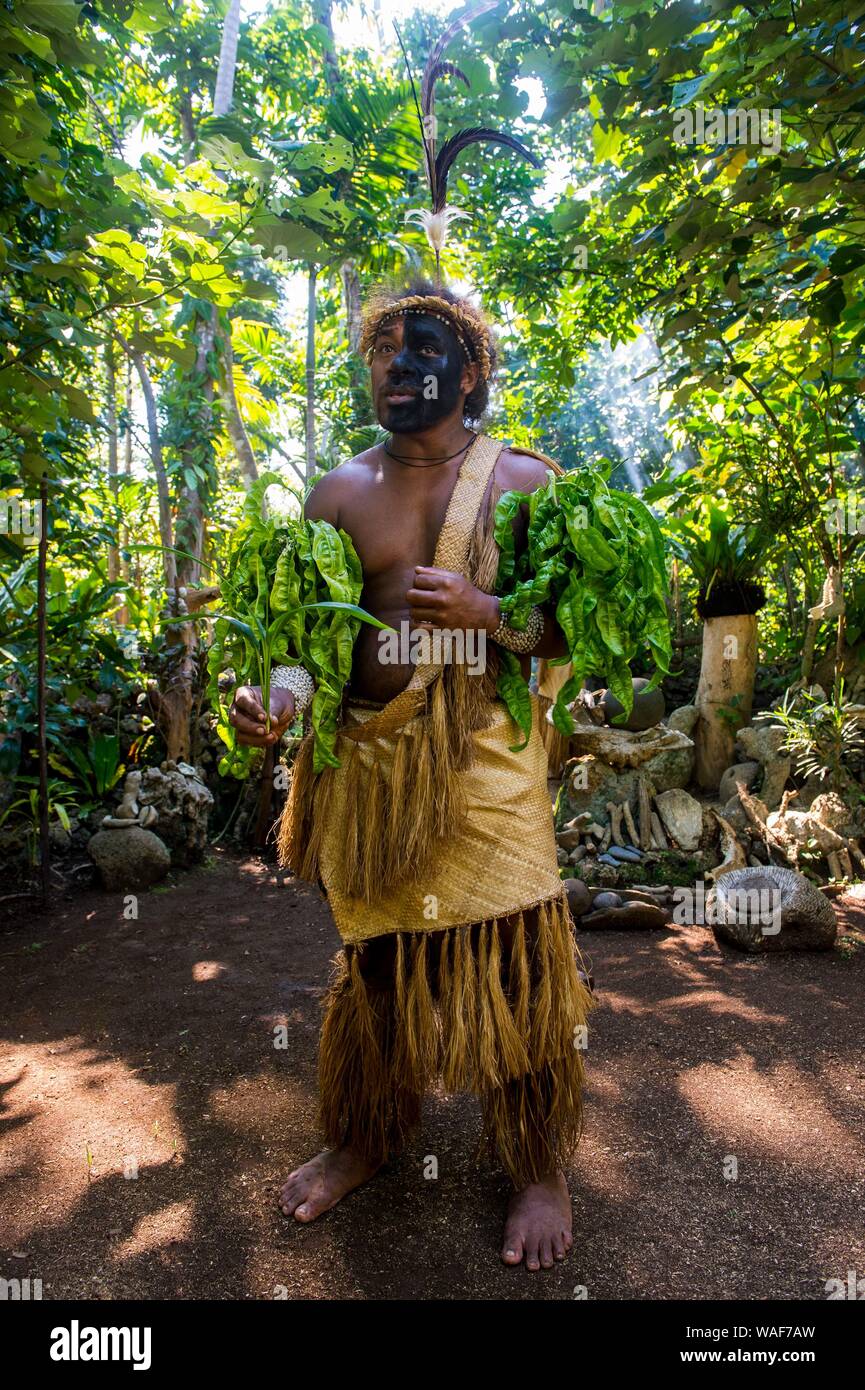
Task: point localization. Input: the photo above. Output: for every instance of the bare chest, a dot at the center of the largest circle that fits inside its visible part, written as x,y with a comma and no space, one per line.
395,521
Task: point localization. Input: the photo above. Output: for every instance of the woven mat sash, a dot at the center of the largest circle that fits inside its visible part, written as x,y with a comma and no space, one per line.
451,553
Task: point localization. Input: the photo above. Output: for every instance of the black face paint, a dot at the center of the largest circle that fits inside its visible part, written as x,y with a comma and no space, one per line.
426,368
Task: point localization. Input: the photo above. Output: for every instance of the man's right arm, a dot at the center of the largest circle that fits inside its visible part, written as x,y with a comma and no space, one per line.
322,504
247,711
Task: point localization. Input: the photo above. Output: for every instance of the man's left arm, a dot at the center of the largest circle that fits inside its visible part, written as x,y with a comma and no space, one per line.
442,599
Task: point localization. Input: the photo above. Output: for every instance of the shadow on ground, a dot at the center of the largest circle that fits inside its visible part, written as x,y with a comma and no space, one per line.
148,1114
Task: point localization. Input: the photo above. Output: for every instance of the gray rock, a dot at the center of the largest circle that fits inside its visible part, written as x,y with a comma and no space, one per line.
763,744
626,853
608,859
591,783
832,811
739,772
684,719
183,802
598,875
648,708
605,899
633,916
771,909
681,816
59,836
129,860
577,854
732,811
568,839
579,896
672,768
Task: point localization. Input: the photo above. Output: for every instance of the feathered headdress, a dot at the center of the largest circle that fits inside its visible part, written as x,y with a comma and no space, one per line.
438,165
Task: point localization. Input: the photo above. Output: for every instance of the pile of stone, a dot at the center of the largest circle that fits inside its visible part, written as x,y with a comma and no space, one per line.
760,825
625,789
628,909
126,849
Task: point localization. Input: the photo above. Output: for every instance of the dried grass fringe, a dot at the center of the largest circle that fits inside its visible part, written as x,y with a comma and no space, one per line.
557,745
507,1035
394,825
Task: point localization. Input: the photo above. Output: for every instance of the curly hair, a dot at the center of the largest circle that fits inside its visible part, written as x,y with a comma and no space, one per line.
472,329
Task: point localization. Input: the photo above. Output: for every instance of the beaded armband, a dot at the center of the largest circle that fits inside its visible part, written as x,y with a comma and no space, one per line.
521,642
296,679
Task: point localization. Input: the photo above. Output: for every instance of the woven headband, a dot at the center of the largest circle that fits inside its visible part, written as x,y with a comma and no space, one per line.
470,331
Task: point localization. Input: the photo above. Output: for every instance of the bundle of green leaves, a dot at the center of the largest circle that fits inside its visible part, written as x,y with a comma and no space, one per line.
290,591
596,556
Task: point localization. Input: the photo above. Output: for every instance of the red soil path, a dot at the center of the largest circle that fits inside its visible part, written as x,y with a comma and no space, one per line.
151,1043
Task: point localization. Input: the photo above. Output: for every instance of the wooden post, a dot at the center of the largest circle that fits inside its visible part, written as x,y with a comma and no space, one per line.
724,693
41,691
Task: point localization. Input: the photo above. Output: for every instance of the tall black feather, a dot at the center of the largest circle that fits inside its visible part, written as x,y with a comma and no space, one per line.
438,165
475,135
434,69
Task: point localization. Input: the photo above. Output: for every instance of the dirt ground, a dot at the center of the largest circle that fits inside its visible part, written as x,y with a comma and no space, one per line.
147,1047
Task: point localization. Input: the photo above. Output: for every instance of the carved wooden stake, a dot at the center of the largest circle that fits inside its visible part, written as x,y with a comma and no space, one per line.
629,822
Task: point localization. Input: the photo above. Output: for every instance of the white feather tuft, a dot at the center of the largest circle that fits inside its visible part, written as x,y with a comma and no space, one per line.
435,224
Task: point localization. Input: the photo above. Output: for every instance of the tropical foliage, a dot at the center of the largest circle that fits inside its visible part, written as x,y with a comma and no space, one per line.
194,197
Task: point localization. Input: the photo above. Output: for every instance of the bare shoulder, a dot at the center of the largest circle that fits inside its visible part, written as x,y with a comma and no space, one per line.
339,485
520,471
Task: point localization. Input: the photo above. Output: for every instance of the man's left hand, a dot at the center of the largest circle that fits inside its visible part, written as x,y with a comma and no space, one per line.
443,599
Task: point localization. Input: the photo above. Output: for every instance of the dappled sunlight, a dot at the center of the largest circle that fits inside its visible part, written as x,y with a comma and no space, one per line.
207,970
156,1230
255,1104
701,1001
75,1134
780,1112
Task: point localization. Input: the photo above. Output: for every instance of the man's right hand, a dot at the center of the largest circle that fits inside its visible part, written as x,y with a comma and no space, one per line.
247,715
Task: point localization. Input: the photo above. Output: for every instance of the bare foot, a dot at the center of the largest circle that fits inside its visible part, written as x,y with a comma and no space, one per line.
538,1225
322,1182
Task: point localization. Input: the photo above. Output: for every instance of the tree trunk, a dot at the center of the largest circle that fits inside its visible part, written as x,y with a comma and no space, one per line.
724,693
169,567
174,703
233,418
123,610
181,655
223,92
181,659
351,294
42,692
111,422
322,11
223,97
310,374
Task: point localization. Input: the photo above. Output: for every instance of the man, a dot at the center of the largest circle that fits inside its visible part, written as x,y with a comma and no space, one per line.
434,838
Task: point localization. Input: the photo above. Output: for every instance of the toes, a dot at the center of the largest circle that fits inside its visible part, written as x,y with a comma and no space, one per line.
546,1253
512,1250
533,1258
567,1239
558,1248
292,1193
310,1209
